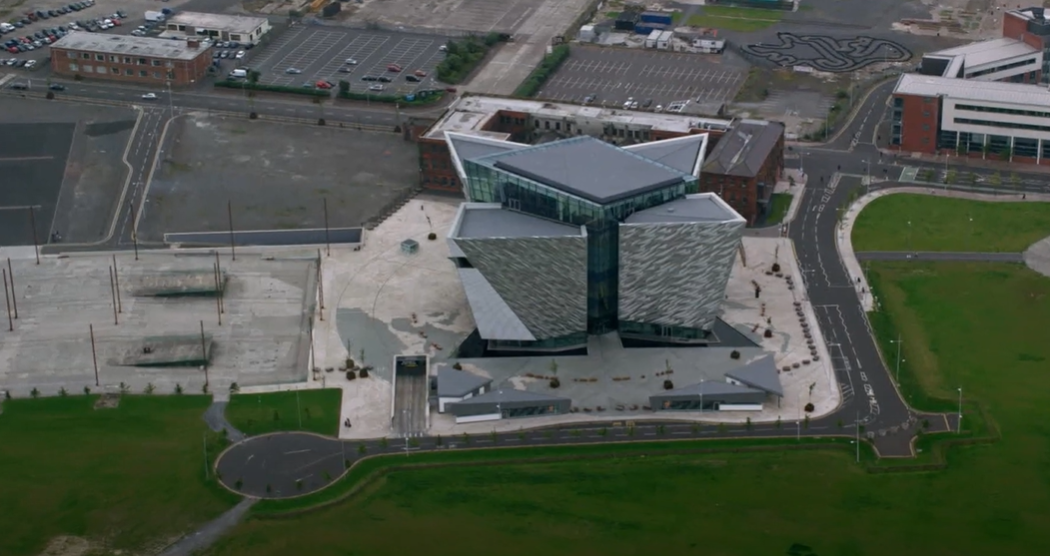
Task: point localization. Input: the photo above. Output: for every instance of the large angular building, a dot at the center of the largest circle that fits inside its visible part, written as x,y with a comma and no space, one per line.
579,237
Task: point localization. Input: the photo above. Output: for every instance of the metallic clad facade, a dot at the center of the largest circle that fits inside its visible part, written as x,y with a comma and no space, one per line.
676,274
542,280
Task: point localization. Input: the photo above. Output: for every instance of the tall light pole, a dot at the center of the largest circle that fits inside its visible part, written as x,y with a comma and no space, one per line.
909,235
969,237
898,342
798,422
959,424
856,425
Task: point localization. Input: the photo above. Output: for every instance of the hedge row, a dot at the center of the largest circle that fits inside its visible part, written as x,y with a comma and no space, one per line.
392,99
312,92
463,56
547,67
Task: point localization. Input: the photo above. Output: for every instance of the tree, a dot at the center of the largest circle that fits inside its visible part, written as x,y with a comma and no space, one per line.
234,388
124,388
1015,181
466,438
34,393
950,176
87,392
805,422
253,77
721,428
178,389
839,423
439,440
149,389
779,422
493,437
995,180
553,366
344,86
603,432
62,392
383,442
661,430
747,424
7,394
362,449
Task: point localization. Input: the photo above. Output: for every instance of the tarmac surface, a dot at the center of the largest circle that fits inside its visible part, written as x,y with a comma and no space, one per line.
32,167
267,237
921,256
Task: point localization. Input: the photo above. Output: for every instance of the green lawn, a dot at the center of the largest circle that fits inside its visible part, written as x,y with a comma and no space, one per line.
735,19
979,326
122,478
778,208
281,411
943,224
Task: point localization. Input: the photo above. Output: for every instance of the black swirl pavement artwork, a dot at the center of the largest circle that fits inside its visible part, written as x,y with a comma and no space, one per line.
823,53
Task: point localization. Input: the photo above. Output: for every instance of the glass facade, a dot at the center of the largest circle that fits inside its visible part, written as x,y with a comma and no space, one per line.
487,184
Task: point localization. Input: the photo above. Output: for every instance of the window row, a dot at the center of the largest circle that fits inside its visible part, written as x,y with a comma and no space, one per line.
117,71
129,60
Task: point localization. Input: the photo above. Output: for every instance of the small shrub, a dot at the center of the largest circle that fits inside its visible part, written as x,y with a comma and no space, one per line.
809,408
150,388
734,354
346,464
327,476
269,489
439,440
204,388
779,422
555,383
50,95
768,333
237,485
776,267
603,431
299,484
668,385
178,389
7,394
234,388
432,236
466,438
361,449
34,393
62,392
351,375
661,429
747,424
364,373
457,366
383,442
87,392
350,363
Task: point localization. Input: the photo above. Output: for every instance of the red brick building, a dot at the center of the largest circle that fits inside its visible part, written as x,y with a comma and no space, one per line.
130,59
534,121
744,166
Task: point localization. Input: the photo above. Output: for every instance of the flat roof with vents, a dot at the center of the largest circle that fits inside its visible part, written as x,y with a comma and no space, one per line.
128,45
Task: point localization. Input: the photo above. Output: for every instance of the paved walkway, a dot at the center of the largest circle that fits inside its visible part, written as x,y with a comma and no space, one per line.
844,235
940,256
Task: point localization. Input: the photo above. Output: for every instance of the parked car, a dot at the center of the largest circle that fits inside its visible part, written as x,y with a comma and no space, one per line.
384,79
324,85
375,87
18,86
239,55
351,62
393,68
419,73
57,87
149,96
293,71
344,69
412,78
369,78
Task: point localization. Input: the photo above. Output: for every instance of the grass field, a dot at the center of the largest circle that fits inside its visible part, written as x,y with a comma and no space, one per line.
735,19
944,224
979,326
121,478
281,411
778,208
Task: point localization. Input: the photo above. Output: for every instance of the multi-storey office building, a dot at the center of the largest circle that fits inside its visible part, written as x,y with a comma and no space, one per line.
128,58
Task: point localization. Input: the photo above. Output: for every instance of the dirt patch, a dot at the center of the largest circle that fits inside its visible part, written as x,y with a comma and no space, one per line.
107,401
70,546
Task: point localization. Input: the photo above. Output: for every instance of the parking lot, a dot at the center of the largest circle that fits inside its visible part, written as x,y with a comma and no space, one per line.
33,166
320,54
665,78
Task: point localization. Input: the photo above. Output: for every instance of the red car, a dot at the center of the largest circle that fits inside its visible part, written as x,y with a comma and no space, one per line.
323,85
13,49
420,73
393,68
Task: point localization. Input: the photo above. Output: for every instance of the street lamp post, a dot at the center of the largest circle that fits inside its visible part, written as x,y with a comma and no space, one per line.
898,342
909,235
969,237
856,425
958,429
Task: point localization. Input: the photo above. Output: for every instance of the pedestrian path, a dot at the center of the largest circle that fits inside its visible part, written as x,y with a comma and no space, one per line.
845,231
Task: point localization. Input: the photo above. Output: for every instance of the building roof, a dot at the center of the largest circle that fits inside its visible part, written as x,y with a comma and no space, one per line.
685,154
129,45
589,168
232,23
761,374
490,220
711,388
743,150
453,384
700,207
987,52
471,113
493,317
968,89
509,395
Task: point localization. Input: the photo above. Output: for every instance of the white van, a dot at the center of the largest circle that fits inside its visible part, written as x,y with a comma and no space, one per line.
6,27
238,74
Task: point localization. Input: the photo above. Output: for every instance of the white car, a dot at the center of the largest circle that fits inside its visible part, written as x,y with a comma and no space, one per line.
351,62
149,96
659,108
240,54
30,64
375,87
627,104
293,71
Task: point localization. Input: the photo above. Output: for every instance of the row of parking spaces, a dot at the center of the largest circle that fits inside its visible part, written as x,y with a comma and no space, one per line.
306,55
616,92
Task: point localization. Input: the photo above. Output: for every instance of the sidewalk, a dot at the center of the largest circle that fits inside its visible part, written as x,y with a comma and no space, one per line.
844,241
965,162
